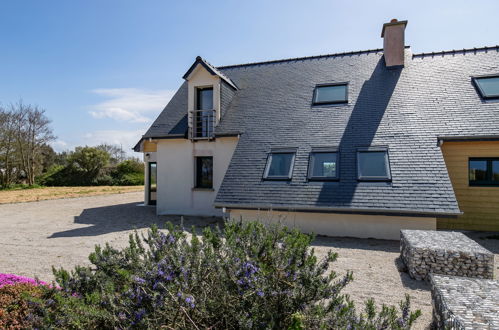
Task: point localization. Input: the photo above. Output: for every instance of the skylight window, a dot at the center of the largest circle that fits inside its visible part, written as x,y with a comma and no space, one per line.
488,86
331,93
373,164
279,165
323,165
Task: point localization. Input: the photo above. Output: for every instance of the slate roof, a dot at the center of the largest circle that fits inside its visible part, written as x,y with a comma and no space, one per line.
406,110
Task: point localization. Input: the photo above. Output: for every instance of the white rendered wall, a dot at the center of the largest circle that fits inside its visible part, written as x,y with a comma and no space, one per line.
333,224
176,175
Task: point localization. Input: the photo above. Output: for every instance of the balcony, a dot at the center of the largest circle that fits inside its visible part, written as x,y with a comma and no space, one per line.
202,125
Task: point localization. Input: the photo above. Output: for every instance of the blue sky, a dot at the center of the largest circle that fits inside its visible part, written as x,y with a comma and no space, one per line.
104,69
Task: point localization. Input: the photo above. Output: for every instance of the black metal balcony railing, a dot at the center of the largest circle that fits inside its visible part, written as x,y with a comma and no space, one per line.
202,125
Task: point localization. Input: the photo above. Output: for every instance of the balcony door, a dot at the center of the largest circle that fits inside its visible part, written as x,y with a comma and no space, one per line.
204,112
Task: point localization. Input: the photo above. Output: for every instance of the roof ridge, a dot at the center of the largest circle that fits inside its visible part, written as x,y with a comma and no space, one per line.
359,52
457,51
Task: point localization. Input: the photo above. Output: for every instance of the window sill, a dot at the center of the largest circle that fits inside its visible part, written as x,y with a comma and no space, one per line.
374,180
202,189
315,179
277,179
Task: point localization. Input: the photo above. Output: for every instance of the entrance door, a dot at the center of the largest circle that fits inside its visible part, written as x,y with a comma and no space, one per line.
153,179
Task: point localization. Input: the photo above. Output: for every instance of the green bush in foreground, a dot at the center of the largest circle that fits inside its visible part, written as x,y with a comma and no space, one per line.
244,276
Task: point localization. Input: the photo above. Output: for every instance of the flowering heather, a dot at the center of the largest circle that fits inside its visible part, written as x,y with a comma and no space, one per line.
11,279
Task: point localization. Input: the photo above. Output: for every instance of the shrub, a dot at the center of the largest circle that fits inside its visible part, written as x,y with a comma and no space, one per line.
15,305
11,279
244,276
129,173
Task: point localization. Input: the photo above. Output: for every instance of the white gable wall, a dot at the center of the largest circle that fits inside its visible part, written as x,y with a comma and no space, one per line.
176,175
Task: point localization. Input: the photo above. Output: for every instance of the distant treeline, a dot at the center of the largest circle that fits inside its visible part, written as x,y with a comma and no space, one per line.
26,157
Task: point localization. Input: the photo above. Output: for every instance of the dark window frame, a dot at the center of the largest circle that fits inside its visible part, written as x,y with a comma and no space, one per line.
483,183
203,119
198,173
199,89
310,169
269,162
387,178
479,88
345,101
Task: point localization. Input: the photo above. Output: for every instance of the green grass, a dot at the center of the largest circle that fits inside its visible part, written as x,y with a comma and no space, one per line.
22,187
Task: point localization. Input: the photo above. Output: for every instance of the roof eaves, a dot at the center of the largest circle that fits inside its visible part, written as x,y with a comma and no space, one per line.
469,138
344,210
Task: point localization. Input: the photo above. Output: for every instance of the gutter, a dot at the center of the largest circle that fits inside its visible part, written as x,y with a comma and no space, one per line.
342,210
180,136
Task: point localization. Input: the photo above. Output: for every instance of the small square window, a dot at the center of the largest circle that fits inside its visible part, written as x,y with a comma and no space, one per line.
331,93
204,172
373,165
323,166
488,86
483,171
279,166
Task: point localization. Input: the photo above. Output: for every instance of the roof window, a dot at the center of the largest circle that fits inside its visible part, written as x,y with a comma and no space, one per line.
331,93
488,86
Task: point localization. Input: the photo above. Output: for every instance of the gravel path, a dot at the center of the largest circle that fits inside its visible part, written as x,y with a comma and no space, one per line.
34,236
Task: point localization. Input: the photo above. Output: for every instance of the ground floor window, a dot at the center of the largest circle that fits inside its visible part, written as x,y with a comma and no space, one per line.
204,172
484,171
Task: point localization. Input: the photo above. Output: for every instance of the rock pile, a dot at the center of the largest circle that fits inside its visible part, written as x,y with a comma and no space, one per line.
464,303
442,252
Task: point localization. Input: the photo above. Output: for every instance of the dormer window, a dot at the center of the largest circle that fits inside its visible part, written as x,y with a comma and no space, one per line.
204,114
487,86
331,94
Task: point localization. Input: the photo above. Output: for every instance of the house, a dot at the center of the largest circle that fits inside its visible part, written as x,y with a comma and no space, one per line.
358,144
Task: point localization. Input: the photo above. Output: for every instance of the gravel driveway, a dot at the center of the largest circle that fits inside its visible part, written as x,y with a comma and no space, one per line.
34,236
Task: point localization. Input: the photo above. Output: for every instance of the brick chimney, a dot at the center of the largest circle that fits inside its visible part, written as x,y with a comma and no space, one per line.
393,35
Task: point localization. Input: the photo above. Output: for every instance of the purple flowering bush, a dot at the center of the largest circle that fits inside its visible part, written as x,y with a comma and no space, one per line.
245,275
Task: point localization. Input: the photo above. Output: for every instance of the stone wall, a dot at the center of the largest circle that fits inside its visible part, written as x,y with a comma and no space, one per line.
464,303
441,252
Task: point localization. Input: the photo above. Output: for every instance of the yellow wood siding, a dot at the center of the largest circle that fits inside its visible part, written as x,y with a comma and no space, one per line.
149,146
479,204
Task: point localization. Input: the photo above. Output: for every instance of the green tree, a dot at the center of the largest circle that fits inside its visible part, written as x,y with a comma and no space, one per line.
88,162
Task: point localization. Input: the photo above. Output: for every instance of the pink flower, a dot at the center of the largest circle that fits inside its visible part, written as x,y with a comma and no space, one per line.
11,279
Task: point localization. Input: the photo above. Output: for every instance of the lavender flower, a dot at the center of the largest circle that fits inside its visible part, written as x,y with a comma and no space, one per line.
139,315
190,301
139,280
